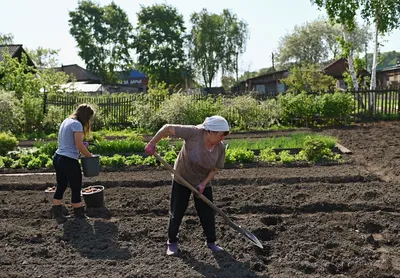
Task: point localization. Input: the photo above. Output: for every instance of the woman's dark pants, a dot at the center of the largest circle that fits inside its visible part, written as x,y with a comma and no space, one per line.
179,202
68,171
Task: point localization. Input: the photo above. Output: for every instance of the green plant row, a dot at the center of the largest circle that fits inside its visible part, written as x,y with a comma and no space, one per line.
314,150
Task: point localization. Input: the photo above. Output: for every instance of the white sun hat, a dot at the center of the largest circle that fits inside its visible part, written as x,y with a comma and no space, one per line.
215,123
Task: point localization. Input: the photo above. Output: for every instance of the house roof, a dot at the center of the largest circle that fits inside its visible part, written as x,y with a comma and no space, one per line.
82,87
396,67
10,48
15,51
338,67
267,74
78,72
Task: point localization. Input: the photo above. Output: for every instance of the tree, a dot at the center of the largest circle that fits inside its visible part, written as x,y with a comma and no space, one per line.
6,38
216,41
46,60
44,57
236,35
343,12
228,82
18,76
104,37
159,43
309,78
385,14
316,42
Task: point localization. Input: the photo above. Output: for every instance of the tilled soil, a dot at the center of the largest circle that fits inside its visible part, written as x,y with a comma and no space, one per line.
316,221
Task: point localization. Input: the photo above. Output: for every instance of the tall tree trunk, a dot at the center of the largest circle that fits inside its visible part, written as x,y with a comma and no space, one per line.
374,60
372,87
353,73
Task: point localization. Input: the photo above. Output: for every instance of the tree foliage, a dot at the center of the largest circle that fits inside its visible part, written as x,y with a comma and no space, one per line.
104,37
309,78
6,38
159,43
215,41
317,41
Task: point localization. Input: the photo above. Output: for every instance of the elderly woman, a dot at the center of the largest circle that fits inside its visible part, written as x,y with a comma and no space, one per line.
199,160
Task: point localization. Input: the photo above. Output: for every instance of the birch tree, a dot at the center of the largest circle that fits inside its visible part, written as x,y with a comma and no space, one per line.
385,14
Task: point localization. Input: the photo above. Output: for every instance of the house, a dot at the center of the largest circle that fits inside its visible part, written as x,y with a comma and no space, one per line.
388,77
15,51
132,81
85,87
80,74
337,68
267,84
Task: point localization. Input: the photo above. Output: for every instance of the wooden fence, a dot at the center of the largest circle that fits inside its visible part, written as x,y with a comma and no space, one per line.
368,105
375,105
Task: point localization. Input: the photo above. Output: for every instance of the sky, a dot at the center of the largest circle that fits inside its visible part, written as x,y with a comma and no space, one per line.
44,23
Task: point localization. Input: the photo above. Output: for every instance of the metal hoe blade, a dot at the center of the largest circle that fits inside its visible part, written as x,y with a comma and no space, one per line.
252,238
249,236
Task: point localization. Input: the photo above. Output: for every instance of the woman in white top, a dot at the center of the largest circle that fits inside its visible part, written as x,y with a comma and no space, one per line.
66,161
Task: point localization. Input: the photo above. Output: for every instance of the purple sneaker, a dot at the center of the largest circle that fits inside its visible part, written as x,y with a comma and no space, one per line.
214,247
172,248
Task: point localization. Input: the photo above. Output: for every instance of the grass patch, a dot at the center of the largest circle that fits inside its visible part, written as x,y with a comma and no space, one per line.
285,142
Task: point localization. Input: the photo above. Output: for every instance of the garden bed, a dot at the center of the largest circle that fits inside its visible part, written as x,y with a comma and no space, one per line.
321,221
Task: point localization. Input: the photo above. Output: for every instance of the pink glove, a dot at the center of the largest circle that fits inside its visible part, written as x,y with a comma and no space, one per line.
201,188
150,149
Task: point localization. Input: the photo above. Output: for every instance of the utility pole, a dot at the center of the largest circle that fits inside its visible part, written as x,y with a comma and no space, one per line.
273,61
237,66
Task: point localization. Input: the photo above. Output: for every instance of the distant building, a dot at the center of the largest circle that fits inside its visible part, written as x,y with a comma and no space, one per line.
337,68
80,74
15,51
268,84
133,80
388,77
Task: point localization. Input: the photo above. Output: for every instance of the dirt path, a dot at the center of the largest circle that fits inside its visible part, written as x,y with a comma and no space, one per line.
323,221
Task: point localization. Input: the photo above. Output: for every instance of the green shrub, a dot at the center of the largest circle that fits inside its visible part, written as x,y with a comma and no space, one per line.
268,155
285,157
150,161
170,157
8,142
34,164
33,114
316,150
134,160
10,113
47,148
17,164
239,156
53,119
7,161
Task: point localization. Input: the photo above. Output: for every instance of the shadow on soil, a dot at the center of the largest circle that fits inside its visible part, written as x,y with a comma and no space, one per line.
228,266
97,241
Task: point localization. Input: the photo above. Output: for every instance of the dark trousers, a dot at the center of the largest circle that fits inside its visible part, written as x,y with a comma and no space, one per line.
68,171
179,202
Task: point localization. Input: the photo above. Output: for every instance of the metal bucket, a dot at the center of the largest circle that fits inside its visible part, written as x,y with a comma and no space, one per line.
93,196
91,166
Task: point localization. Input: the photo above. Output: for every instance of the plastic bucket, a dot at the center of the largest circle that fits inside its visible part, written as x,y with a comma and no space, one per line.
91,166
93,196
49,192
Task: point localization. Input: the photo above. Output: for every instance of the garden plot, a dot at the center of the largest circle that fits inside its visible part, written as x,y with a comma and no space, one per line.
321,221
